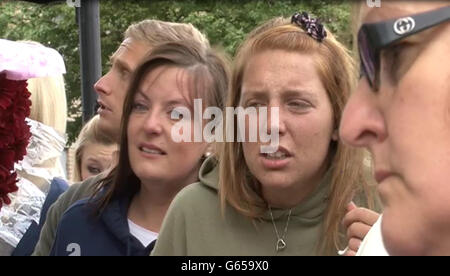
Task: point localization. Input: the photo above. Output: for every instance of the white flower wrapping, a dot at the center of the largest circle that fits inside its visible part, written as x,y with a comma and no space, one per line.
45,143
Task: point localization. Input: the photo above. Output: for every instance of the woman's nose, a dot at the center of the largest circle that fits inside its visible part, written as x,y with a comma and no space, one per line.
362,122
153,123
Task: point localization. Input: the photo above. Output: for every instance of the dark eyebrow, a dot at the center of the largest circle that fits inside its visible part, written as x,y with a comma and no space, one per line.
177,101
168,103
141,94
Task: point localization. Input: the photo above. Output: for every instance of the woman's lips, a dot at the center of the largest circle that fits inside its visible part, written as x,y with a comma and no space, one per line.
276,160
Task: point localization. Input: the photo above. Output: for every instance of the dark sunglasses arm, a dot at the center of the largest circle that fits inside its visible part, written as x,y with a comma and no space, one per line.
382,34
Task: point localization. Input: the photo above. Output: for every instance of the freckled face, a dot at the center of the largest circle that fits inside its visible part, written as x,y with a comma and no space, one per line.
289,81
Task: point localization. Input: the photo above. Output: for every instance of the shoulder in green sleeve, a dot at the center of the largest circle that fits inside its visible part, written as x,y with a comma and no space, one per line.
172,237
193,207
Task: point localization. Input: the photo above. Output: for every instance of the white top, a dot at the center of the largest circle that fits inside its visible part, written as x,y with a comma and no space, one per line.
143,235
372,244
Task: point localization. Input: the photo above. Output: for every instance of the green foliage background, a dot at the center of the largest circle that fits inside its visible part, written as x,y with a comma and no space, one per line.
224,22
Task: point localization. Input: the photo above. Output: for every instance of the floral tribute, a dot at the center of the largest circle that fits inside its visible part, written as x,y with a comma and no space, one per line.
14,132
18,63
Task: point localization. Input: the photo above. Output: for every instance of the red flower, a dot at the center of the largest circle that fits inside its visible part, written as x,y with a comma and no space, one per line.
8,186
7,157
14,132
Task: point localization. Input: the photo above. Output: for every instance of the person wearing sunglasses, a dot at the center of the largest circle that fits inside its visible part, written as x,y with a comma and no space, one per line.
400,112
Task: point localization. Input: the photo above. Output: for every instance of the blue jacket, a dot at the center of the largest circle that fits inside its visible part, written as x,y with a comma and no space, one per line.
31,236
80,233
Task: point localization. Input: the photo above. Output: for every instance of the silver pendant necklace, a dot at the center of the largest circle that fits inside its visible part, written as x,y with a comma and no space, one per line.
281,243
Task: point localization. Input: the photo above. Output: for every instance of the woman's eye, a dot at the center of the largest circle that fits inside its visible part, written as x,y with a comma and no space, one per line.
176,115
94,170
392,58
139,107
255,104
299,104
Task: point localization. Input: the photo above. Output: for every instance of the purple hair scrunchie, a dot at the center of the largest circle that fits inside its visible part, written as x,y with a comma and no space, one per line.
311,26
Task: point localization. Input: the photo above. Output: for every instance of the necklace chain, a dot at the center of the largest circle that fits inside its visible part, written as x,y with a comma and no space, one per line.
281,243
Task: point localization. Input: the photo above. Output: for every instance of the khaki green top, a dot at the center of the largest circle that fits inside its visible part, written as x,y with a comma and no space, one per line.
194,224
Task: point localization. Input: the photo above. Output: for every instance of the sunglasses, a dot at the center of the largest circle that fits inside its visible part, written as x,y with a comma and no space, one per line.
374,37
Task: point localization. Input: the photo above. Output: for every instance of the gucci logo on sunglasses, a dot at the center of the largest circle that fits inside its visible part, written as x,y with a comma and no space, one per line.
404,25
375,37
